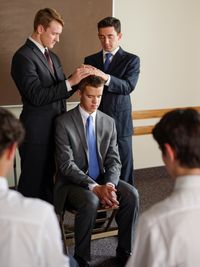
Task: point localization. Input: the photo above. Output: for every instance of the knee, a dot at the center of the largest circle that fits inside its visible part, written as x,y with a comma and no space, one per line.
90,205
129,196
134,197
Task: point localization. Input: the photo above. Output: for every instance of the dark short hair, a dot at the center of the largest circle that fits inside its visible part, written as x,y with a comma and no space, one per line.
45,16
110,22
91,80
11,130
180,128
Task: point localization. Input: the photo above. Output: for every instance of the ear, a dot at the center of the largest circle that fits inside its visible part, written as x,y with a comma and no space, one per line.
40,29
119,36
79,93
169,152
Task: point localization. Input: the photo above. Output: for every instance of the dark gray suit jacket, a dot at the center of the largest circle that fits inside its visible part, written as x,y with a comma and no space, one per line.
43,93
72,151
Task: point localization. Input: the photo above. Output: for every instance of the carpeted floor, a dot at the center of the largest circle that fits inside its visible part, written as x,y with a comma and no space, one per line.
153,185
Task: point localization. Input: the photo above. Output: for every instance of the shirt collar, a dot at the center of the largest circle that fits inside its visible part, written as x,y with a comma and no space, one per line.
113,52
3,184
85,114
187,181
42,48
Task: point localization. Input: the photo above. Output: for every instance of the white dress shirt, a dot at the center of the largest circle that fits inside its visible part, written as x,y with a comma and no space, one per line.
30,234
168,234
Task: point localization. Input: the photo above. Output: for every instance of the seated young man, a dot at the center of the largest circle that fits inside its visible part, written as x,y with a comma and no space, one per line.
89,169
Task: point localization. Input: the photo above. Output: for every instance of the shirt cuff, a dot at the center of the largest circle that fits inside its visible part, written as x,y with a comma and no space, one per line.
111,184
91,186
68,86
108,81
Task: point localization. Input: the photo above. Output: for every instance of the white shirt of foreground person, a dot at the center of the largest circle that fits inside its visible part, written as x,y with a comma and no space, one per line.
168,234
30,234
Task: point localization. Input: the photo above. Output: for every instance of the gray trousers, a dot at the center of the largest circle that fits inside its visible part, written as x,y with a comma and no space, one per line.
86,203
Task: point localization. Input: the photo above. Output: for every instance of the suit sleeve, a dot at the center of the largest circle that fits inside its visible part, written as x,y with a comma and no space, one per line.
125,80
35,83
112,162
124,75
67,151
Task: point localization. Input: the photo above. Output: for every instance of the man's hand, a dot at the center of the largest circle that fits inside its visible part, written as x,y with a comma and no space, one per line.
97,72
80,73
107,195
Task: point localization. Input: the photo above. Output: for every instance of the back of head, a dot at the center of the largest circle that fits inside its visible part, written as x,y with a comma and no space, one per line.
11,130
110,22
45,16
91,80
180,128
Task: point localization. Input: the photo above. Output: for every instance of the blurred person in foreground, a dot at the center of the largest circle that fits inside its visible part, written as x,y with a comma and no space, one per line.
168,234
30,234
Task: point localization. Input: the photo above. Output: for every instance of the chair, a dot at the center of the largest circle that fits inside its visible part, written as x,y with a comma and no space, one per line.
106,229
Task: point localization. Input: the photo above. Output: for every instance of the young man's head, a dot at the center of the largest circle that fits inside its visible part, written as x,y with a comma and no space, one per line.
48,25
90,92
11,134
109,32
178,136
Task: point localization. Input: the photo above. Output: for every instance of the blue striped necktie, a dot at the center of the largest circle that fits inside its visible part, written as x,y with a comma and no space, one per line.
107,61
93,164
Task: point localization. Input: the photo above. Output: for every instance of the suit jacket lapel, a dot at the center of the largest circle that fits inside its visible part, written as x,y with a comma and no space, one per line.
99,132
116,60
78,122
39,54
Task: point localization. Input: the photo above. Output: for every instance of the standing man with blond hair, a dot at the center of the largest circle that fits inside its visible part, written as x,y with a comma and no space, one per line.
38,75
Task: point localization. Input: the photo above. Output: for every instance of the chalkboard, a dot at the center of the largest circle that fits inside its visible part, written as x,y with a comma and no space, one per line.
79,37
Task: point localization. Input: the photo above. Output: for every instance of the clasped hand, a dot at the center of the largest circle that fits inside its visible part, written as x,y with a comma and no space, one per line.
107,195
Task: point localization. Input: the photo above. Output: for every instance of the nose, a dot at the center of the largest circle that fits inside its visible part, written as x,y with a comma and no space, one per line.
57,38
106,40
95,100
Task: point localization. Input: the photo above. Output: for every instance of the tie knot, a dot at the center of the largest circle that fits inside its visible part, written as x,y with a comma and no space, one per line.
108,55
46,53
90,121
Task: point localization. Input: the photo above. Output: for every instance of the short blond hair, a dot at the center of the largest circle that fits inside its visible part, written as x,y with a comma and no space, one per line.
45,16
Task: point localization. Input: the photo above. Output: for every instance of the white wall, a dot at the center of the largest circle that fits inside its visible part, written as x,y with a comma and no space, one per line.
165,34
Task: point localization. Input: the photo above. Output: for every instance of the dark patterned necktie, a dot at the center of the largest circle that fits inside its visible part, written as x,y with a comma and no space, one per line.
48,58
93,164
107,61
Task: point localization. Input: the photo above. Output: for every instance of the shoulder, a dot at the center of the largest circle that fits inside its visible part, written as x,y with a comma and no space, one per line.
128,55
158,214
96,55
105,117
30,210
67,116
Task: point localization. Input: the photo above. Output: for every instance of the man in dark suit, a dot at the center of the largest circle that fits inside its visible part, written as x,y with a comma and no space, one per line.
39,77
121,77
79,188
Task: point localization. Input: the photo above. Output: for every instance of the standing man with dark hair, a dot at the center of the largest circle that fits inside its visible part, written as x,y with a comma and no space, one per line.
30,234
120,71
89,168
39,77
168,234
